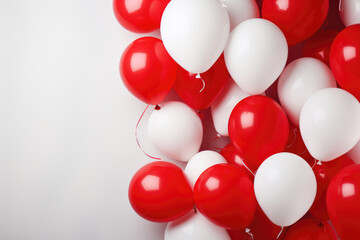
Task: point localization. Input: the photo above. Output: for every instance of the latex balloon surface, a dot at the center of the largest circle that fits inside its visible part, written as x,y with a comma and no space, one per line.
176,130
159,192
298,19
342,200
329,123
225,195
147,70
285,202
195,32
253,45
139,16
258,128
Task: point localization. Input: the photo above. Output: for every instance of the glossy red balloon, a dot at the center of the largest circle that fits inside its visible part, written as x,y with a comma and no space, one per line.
345,59
225,195
147,70
139,16
201,93
298,19
297,146
324,172
310,229
318,46
261,228
258,128
343,202
233,157
159,192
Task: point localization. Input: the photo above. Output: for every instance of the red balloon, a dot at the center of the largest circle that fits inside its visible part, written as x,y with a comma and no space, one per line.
333,20
297,146
318,46
261,228
225,195
324,172
159,192
147,70
233,157
343,202
345,59
198,94
258,128
298,19
139,16
310,229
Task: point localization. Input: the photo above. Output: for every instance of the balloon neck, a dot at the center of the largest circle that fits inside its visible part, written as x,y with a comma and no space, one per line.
248,231
198,76
341,7
157,107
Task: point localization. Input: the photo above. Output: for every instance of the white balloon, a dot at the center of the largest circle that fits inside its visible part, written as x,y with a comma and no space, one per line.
299,80
194,226
175,130
195,32
224,104
200,162
256,54
285,188
329,123
241,10
350,12
354,153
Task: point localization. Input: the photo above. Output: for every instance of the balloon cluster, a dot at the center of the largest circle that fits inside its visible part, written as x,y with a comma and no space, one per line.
284,88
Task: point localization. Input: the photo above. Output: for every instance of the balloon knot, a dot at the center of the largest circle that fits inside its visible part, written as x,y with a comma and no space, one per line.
157,107
198,76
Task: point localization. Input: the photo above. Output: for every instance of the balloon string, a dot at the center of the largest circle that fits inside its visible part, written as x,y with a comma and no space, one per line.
294,131
203,82
316,162
248,168
247,230
136,135
282,229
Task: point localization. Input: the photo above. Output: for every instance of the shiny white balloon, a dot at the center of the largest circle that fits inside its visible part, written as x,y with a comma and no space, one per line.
175,130
194,226
241,10
195,32
350,12
329,123
285,188
256,54
200,162
299,80
224,104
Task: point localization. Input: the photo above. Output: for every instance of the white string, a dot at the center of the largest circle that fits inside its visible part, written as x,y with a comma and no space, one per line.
203,85
247,230
282,228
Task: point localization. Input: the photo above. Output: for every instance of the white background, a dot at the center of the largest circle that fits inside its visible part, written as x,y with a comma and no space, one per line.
67,144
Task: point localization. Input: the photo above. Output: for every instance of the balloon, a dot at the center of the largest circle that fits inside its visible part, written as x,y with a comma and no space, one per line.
350,12
324,172
354,153
342,201
258,128
139,16
301,79
285,188
225,195
234,158
176,130
333,20
329,123
318,46
297,146
241,10
195,32
200,162
147,70
239,235
201,93
159,192
194,226
310,229
298,19
256,54
223,106
345,60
